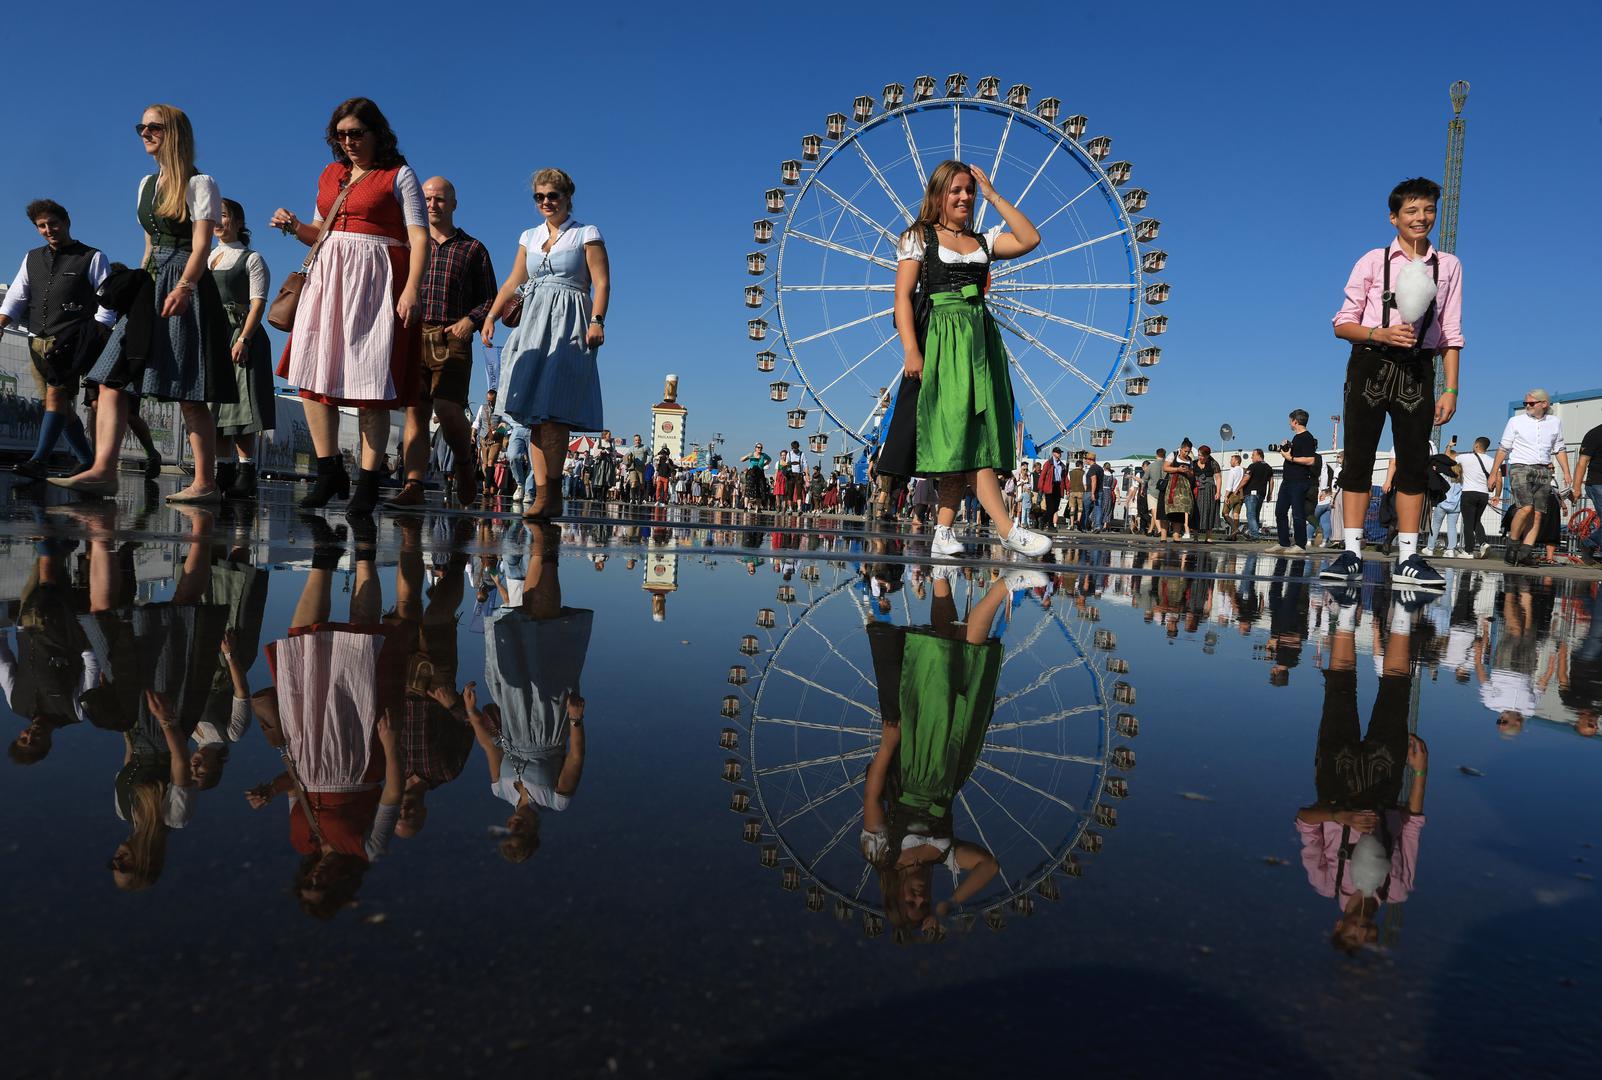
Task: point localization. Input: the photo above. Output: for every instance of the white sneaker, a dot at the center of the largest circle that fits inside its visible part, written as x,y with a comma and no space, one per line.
1025,579
1276,549
945,543
946,572
1485,549
1296,549
1026,542
1187,536
1454,553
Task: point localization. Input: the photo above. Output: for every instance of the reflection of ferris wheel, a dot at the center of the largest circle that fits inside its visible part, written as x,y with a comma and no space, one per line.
1072,312
808,724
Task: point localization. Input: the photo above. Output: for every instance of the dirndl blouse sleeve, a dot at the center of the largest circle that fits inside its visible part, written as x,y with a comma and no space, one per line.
256,268
204,199
911,248
589,234
409,193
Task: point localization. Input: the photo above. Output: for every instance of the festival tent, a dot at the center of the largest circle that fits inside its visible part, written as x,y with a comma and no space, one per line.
583,444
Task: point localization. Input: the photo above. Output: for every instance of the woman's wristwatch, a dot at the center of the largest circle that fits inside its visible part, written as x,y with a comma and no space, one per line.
598,320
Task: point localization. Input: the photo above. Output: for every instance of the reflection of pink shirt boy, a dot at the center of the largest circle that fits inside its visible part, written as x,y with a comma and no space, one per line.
1321,848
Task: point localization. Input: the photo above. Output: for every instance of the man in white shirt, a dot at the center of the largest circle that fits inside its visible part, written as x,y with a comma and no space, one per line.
1476,466
1530,441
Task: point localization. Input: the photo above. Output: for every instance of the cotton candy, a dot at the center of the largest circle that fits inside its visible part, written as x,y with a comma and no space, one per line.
1370,866
1414,288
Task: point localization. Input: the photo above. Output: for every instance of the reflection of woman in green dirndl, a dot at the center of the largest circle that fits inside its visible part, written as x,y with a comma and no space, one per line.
954,412
937,694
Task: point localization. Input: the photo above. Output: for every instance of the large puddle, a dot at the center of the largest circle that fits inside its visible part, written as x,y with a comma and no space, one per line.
699,799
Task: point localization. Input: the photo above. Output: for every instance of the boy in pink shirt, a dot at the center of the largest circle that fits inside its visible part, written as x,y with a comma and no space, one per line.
1403,307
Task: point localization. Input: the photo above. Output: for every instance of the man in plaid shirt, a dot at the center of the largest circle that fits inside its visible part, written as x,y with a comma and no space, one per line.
456,294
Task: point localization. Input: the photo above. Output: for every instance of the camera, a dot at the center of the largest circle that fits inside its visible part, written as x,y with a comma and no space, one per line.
1283,448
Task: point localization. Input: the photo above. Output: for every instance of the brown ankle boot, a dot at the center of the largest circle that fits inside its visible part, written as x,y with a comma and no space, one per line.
551,444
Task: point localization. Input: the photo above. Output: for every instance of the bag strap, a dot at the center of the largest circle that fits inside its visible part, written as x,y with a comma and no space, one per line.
328,223
1388,299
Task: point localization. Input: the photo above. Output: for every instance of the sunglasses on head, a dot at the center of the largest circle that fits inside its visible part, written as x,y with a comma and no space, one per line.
547,196
149,129
350,134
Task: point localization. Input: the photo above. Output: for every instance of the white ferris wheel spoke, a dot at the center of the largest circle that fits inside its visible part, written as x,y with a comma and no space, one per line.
956,131
912,150
838,654
1024,194
839,288
832,759
824,389
906,214
995,167
851,208
1037,682
813,725
839,834
1029,382
1041,721
1026,785
842,326
877,260
818,800
829,690
1053,215
1027,309
1007,324
1053,286
1076,759
974,783
983,839
1013,268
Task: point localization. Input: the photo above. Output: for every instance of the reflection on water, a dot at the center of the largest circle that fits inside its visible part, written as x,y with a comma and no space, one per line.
304,720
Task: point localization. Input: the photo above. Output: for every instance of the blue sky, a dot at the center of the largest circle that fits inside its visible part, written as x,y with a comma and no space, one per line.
1267,134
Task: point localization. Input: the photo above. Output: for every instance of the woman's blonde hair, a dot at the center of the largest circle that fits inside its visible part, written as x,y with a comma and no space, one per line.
147,842
555,178
935,194
176,159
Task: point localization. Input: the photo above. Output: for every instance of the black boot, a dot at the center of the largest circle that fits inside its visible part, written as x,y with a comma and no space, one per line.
333,482
328,544
244,485
365,498
364,530
226,472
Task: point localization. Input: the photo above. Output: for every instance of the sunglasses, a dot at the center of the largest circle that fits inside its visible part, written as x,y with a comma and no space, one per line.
1527,404
547,196
149,129
350,134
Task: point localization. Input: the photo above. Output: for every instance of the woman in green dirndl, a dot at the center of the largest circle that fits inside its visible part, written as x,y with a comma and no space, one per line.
937,695
952,347
242,280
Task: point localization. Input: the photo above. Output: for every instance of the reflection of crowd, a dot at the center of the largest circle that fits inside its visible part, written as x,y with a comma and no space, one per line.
20,416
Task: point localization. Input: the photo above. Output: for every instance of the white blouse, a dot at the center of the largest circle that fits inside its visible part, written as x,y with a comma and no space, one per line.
204,197
911,248
573,232
226,254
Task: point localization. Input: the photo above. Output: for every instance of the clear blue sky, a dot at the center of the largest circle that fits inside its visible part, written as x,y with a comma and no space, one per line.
1267,134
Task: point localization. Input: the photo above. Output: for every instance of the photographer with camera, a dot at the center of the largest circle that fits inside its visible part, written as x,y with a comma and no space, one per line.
1297,474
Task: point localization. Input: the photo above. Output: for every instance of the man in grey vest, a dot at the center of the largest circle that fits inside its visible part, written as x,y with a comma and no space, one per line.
54,294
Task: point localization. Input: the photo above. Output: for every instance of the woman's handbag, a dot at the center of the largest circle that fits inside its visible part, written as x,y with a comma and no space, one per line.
514,311
281,312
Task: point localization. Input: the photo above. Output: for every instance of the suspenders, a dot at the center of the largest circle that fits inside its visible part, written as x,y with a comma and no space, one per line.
1388,298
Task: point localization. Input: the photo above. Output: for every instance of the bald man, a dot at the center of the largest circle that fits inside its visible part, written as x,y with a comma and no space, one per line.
455,297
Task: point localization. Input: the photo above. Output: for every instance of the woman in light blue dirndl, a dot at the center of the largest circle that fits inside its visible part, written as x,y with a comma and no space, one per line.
548,380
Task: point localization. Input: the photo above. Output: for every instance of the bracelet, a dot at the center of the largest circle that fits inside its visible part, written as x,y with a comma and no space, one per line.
1371,333
1450,390
184,283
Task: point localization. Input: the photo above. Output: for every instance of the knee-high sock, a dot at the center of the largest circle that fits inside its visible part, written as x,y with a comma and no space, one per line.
77,439
49,431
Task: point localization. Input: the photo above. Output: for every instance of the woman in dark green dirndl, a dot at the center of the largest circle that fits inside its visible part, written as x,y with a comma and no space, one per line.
937,694
963,403
243,282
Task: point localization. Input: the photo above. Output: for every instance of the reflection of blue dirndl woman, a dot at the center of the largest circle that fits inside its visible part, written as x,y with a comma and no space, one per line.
548,379
963,411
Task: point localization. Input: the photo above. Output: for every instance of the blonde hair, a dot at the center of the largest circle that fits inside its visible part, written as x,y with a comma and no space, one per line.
147,841
176,159
935,194
1539,395
555,178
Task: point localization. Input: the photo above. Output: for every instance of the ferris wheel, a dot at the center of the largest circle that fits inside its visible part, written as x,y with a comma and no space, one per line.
805,709
1076,314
